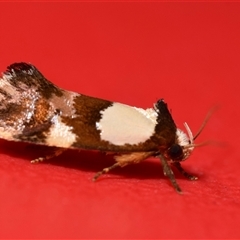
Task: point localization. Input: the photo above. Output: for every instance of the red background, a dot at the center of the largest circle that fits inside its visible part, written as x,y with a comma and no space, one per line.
135,53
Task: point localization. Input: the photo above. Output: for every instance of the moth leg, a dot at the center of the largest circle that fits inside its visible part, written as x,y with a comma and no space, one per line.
105,170
124,160
169,173
55,152
183,172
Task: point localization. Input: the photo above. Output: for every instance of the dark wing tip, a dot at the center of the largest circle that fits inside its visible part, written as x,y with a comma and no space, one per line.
19,67
22,69
30,76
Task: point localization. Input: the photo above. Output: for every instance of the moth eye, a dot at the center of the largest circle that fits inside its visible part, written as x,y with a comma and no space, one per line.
175,152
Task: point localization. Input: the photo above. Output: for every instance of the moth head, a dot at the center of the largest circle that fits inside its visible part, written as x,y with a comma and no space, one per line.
184,144
183,147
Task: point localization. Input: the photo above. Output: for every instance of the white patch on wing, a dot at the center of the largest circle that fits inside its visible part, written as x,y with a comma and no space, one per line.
121,124
60,134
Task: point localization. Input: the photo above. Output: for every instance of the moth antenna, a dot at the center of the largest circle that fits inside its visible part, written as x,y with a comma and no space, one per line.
198,144
190,135
205,121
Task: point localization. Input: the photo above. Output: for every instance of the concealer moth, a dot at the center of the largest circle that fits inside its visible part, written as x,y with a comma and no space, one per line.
34,110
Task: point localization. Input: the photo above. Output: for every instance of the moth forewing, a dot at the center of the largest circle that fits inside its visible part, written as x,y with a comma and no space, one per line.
34,110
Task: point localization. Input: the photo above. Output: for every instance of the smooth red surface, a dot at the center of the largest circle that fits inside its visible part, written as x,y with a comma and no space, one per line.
135,53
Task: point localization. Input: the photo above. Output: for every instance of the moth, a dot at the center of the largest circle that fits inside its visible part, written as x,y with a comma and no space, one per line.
34,110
